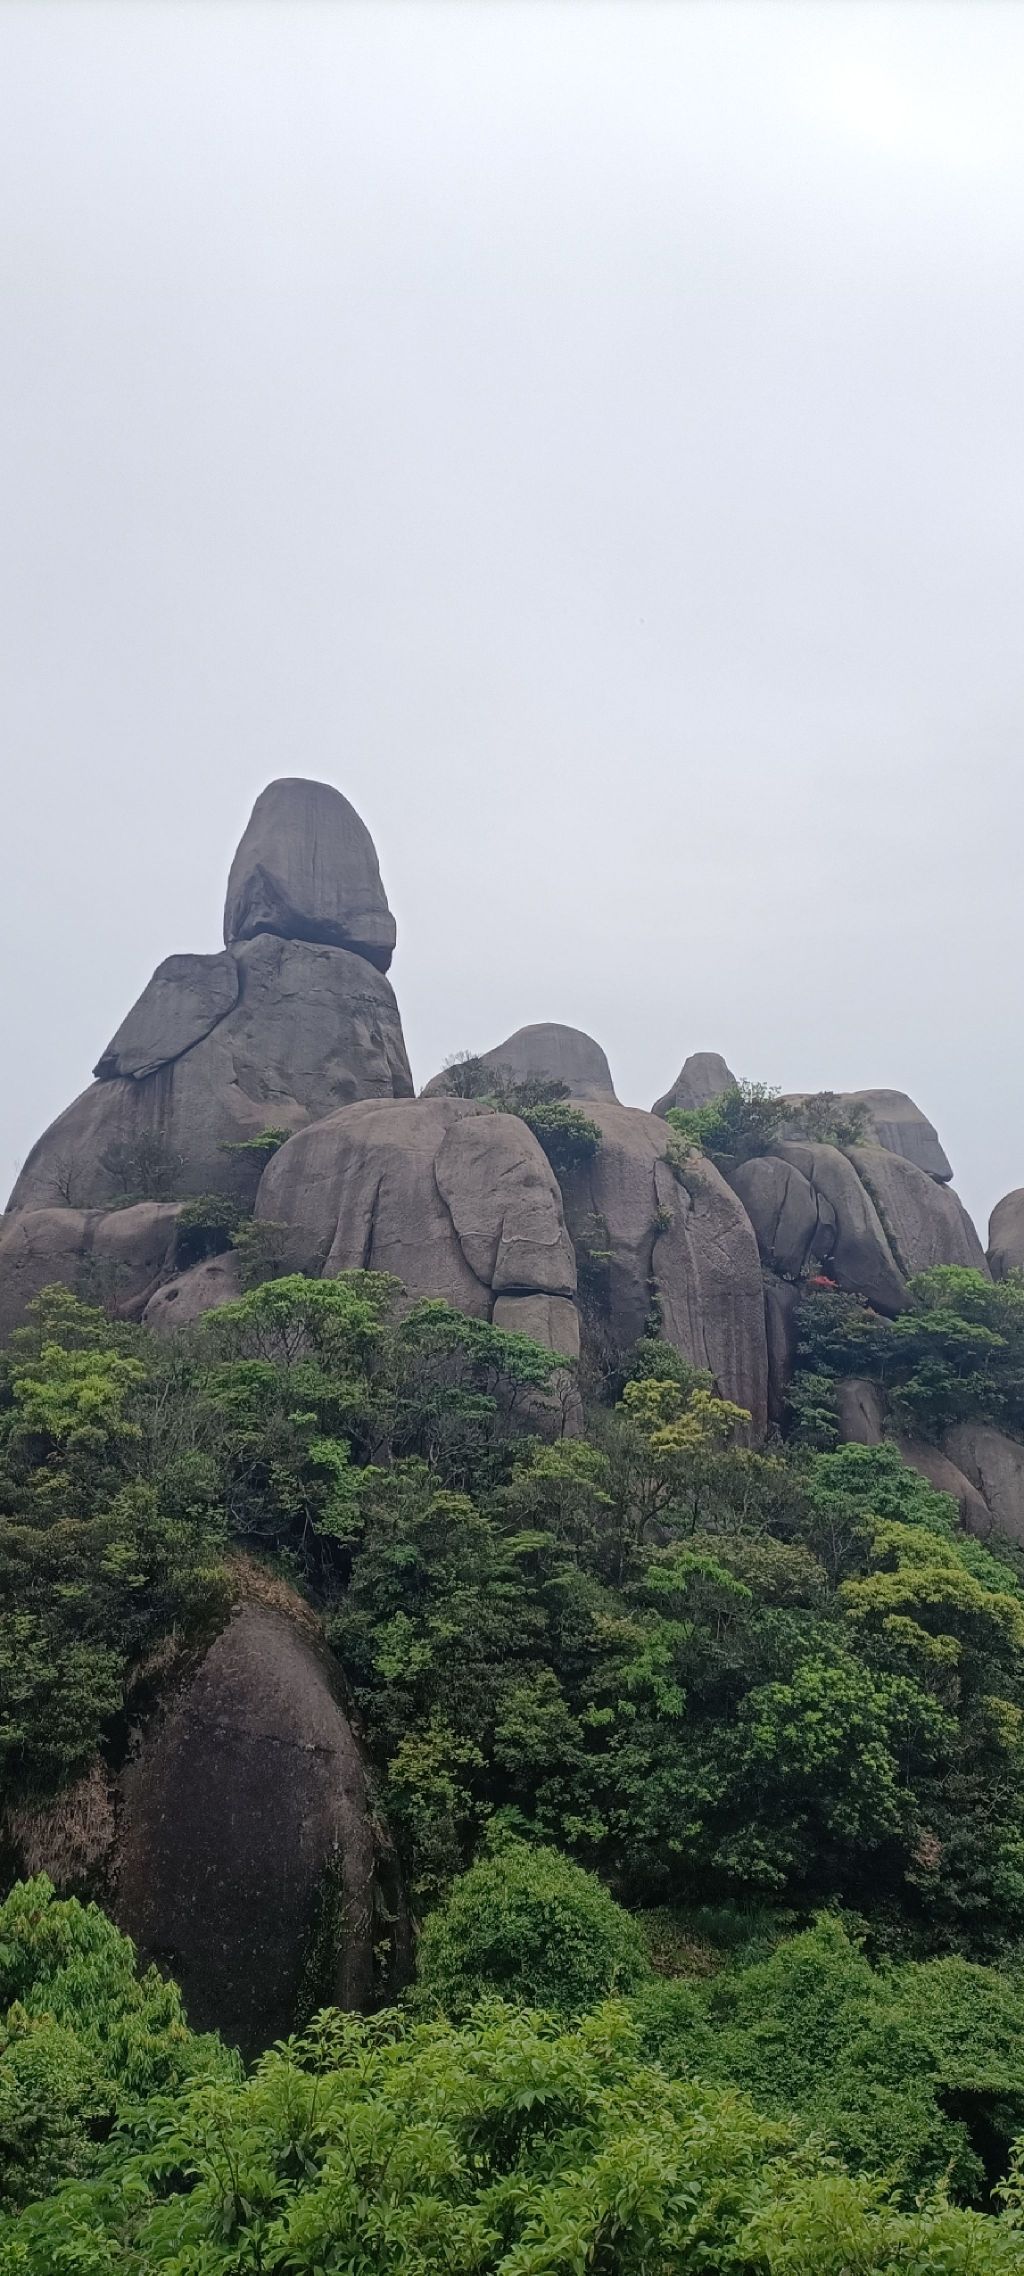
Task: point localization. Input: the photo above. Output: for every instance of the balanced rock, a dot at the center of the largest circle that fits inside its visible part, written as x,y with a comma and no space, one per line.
307,868
649,1245
702,1077
1006,1235
456,1201
556,1054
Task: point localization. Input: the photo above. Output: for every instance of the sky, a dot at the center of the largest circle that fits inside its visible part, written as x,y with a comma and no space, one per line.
588,432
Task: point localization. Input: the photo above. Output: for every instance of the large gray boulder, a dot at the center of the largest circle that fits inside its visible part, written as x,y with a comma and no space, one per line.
180,1301
794,1223
926,1222
702,1077
1006,1235
116,1257
681,1251
861,1409
456,1201
312,1028
306,867
994,1464
557,1054
244,1825
861,1260
944,1475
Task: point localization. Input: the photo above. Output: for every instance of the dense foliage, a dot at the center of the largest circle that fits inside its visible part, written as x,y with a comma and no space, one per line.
647,1661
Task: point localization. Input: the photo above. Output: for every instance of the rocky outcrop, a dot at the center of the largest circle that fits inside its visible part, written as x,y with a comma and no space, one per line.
702,1077
311,1028
182,1300
454,1200
861,1409
897,1124
115,1257
307,868
926,1222
1006,1235
948,1479
556,1054
651,1245
794,1223
186,997
861,1260
994,1465
244,1835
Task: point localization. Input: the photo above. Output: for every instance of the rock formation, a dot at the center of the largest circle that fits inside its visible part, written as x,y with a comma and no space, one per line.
654,1250
292,1019
239,1845
557,1054
454,1200
702,1077
1006,1235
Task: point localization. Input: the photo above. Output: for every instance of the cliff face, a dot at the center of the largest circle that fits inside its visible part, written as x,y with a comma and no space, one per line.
293,1027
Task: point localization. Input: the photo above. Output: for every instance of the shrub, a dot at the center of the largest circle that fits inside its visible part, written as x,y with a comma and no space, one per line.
744,1120
531,1925
142,1168
568,1136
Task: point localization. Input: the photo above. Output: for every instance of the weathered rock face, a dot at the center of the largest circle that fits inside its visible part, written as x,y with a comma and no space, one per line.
179,1302
861,1412
926,1222
794,1223
186,997
1006,1235
947,1479
455,1201
559,1054
112,1257
648,1244
242,1817
994,1464
893,1121
306,868
861,1259
310,1028
702,1077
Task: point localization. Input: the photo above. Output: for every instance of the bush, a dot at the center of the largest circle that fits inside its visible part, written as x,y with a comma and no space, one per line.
568,1136
744,1120
142,1168
531,1925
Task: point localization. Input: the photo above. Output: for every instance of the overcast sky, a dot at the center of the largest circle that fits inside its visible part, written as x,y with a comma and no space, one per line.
592,436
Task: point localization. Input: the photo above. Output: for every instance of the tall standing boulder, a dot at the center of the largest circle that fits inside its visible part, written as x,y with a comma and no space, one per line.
674,1251
307,868
702,1077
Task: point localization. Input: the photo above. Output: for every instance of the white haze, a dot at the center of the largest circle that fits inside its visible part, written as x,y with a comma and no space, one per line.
591,436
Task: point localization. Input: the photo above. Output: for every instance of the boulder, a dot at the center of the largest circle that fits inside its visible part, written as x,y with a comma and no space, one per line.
861,1408
185,998
947,1479
782,1300
312,1028
184,1298
702,1077
794,1224
1006,1235
557,1054
994,1465
245,1830
893,1121
456,1201
861,1261
306,868
926,1222
649,1245
111,1257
